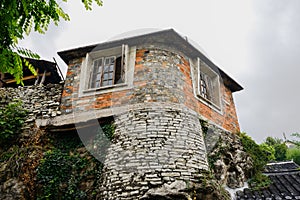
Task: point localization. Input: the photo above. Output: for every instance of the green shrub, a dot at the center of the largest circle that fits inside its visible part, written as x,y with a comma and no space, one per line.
258,154
11,121
279,147
259,181
260,157
293,154
60,175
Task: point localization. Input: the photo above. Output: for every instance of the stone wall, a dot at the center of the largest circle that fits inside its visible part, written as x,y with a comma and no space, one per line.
41,101
229,162
155,145
159,76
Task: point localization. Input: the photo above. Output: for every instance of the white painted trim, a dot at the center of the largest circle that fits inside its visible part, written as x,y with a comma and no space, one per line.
196,88
86,69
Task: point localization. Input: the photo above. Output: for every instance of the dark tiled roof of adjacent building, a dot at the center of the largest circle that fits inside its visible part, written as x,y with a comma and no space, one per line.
285,178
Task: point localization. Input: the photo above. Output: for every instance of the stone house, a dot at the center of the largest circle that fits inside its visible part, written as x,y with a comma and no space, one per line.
157,67
156,87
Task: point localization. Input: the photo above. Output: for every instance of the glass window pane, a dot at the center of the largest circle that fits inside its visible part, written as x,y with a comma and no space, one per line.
110,82
111,68
110,76
105,77
99,69
104,83
98,76
106,68
100,62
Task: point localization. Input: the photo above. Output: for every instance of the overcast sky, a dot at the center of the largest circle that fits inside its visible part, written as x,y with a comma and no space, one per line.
255,42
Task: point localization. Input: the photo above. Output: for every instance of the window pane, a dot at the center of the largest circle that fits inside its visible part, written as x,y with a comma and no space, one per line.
98,77
110,76
99,69
106,68
111,68
105,77
110,82
104,83
107,61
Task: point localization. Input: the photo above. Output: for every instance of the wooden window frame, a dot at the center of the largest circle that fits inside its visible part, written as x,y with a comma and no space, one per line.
208,84
118,71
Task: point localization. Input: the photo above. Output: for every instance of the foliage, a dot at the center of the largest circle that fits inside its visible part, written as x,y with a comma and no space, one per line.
259,181
279,147
293,154
65,142
269,151
260,155
19,17
204,126
11,120
101,140
209,188
63,170
108,130
297,140
58,168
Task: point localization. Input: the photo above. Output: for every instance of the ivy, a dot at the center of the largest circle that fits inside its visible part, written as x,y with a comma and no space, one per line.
59,173
65,168
11,121
204,126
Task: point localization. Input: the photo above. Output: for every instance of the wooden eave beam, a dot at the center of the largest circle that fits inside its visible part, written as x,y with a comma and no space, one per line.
27,78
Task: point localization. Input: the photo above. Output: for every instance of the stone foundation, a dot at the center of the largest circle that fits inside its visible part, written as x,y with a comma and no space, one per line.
155,144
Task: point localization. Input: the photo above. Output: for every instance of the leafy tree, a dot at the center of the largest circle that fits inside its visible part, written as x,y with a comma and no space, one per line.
293,154
19,17
259,154
295,141
268,150
273,141
279,146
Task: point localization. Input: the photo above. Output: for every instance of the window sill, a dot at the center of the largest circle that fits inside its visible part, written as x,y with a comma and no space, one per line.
109,87
209,103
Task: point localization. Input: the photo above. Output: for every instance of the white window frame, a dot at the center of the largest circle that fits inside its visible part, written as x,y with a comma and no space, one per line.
215,88
86,71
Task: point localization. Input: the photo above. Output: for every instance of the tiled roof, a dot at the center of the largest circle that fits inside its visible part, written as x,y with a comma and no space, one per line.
281,167
285,178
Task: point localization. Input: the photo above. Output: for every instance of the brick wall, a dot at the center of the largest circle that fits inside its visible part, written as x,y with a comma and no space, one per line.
159,76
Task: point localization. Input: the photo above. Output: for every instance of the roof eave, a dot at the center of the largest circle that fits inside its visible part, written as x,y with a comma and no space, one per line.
169,36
